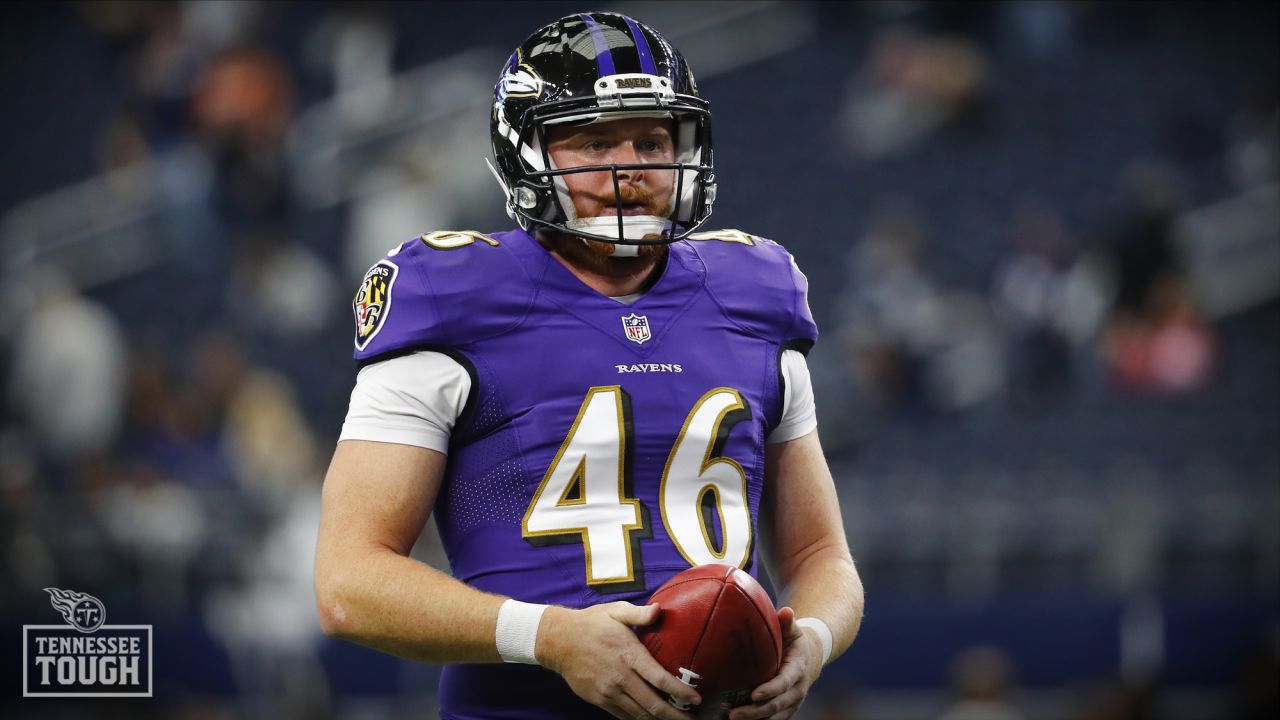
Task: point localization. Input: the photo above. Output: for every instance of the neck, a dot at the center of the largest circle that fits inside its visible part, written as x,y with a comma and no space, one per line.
607,275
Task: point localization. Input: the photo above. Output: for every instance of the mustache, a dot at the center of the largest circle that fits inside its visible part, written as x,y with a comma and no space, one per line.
632,195
629,195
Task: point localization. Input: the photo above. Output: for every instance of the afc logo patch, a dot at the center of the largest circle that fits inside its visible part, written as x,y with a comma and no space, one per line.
636,327
373,301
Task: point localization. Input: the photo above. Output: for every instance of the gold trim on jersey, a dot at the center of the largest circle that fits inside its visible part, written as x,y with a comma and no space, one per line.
732,236
724,524
454,239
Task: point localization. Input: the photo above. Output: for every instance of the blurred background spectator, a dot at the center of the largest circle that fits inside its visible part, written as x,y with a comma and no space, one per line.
982,687
1043,241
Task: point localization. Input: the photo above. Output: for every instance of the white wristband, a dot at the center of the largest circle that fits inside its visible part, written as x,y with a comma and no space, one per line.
824,634
517,633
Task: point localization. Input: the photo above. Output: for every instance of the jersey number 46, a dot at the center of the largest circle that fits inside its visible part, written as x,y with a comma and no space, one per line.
586,493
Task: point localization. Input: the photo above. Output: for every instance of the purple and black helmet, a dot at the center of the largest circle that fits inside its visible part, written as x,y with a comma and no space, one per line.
595,67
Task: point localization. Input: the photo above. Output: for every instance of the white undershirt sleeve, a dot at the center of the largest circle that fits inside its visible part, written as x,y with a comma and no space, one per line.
411,400
799,417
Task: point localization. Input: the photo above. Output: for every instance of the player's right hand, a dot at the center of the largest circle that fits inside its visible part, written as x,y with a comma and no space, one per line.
599,655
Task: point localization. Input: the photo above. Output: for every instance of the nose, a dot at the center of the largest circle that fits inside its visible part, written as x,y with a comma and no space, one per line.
625,154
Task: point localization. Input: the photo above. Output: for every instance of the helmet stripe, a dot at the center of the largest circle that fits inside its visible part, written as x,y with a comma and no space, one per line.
642,48
604,56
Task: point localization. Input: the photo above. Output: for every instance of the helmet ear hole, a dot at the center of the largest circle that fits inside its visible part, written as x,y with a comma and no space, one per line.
526,198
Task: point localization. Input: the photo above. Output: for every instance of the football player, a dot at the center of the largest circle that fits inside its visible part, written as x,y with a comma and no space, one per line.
588,404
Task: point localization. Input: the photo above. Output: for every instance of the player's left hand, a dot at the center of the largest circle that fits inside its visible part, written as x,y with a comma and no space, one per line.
780,697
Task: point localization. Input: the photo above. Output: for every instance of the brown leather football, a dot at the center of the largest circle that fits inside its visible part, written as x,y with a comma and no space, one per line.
718,631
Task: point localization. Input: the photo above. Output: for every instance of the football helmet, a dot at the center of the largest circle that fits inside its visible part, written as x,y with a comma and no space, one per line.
597,67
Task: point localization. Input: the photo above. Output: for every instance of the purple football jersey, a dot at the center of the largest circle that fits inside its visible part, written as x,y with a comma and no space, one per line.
605,447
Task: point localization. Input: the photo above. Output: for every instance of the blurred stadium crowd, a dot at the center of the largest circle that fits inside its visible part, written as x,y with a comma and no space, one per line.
1043,241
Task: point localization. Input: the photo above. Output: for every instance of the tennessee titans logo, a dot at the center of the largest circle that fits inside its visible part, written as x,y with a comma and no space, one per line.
84,612
636,327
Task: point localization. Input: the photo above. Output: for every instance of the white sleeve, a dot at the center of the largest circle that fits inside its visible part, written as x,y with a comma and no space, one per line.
799,418
411,400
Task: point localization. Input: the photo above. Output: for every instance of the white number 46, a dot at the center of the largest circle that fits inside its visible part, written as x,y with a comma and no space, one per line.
584,495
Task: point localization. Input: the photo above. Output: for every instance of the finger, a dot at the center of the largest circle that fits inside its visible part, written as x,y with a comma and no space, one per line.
752,712
636,615
786,713
616,710
655,706
779,707
788,676
657,676
787,619
788,704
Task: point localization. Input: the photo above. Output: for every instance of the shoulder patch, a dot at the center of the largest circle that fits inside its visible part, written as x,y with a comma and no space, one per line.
452,240
733,236
373,301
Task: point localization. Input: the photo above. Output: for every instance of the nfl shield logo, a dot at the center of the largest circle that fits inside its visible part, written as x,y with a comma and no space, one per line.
637,328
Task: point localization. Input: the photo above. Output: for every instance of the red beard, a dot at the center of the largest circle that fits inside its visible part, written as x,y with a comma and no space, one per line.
597,255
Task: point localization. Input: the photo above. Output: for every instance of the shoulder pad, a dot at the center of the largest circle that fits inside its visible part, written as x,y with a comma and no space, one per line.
759,285
443,289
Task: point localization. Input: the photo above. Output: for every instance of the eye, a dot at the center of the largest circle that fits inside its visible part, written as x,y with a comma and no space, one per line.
654,145
597,146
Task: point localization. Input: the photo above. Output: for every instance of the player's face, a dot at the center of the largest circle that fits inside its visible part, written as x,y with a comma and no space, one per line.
620,142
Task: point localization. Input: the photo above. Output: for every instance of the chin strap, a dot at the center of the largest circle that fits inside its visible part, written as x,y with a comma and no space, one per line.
506,191
623,250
